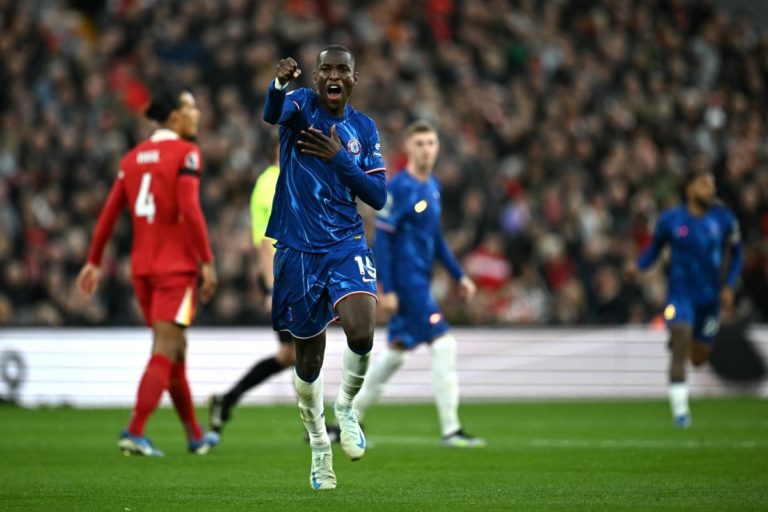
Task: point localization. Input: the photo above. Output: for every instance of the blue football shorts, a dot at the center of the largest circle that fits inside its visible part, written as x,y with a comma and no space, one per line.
703,318
309,285
418,320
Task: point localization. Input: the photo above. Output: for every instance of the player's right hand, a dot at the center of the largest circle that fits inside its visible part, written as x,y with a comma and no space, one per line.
88,279
287,69
390,303
210,282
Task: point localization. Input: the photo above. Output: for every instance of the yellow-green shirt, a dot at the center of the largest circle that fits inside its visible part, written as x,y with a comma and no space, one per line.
261,203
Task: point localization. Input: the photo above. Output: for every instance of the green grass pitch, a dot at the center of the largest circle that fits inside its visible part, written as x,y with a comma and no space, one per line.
596,455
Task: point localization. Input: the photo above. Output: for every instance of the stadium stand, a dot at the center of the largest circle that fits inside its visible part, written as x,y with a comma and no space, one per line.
566,127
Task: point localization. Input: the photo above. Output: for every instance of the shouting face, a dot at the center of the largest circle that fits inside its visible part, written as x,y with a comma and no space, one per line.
335,77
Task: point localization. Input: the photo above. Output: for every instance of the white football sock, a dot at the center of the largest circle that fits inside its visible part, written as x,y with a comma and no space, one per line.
445,381
310,396
383,367
352,377
678,398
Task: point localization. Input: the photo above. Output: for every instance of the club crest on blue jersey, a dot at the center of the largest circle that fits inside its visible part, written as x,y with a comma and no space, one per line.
354,147
682,231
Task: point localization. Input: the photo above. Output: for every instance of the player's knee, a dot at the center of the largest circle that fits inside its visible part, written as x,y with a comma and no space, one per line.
309,367
360,338
169,340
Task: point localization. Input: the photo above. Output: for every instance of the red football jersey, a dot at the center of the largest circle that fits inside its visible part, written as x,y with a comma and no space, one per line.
165,240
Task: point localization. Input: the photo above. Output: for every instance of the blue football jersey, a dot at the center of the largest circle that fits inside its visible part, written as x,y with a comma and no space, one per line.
412,219
314,208
697,251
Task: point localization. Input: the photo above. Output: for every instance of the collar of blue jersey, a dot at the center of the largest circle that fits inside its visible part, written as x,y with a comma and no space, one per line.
163,134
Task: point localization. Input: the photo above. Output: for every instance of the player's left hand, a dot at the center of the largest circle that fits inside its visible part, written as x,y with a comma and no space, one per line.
314,142
88,279
726,300
210,282
468,288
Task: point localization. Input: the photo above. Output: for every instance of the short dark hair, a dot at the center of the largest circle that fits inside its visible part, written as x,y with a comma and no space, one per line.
695,174
689,177
419,126
335,48
165,100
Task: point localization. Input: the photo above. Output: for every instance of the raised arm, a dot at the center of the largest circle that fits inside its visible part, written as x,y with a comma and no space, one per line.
276,109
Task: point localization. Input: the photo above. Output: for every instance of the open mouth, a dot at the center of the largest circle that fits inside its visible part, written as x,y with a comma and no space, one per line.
334,92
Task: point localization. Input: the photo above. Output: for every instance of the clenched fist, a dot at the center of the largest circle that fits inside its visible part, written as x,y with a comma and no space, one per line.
287,69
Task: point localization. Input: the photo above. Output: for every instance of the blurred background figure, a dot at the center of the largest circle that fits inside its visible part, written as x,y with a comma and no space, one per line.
158,181
705,262
409,241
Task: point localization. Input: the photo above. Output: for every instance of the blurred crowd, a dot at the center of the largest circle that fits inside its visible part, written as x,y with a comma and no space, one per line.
566,127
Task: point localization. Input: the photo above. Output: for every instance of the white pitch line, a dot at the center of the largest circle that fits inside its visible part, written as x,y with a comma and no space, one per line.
578,443
643,443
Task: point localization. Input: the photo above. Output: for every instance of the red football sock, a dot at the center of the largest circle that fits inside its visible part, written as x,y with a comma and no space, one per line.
182,400
154,381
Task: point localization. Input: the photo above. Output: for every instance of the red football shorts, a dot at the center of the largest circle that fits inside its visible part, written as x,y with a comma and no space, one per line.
167,298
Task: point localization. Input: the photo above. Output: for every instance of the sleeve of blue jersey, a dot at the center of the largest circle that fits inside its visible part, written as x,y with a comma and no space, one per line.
371,188
386,227
388,217
382,252
373,160
446,257
281,106
736,261
651,253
